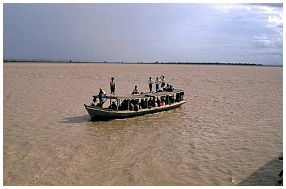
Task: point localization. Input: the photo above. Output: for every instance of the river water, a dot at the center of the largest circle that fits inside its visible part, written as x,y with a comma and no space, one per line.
230,127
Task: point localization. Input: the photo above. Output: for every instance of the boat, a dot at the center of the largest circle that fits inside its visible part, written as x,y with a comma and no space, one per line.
115,110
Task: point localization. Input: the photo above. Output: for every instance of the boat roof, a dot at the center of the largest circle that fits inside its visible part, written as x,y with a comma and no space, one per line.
143,95
164,93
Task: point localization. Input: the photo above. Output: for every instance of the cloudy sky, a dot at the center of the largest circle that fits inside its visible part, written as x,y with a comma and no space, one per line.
145,32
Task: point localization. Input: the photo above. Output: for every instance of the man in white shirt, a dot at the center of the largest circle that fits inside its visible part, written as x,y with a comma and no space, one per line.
150,82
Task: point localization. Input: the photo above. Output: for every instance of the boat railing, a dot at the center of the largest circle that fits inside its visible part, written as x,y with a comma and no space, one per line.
132,102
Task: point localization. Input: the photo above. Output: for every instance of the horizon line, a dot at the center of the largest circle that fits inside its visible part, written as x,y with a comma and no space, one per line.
139,62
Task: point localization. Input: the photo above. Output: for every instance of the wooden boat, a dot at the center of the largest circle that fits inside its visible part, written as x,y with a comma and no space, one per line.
173,99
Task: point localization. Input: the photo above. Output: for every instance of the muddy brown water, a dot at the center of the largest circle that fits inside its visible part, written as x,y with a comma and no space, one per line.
230,126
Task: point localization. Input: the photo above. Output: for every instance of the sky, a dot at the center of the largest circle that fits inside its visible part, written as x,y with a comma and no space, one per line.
248,33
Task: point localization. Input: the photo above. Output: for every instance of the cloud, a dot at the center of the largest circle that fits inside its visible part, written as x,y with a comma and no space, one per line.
266,46
266,42
263,43
259,27
279,5
228,8
269,14
145,32
275,22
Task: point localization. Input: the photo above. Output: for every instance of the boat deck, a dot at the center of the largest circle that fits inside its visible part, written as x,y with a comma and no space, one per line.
144,95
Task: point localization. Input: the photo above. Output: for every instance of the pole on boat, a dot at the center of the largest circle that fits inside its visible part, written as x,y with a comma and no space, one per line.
117,103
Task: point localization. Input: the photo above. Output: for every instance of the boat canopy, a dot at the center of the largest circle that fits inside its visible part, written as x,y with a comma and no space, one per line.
164,93
143,95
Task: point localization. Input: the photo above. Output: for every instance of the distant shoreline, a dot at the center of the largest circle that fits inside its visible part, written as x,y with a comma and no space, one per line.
157,63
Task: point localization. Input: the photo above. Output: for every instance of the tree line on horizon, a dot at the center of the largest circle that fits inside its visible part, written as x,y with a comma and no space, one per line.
156,62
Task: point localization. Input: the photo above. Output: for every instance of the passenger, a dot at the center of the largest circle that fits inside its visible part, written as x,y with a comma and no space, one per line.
166,88
169,88
131,107
172,100
163,81
137,102
167,100
177,97
141,104
124,105
163,99
112,86
146,103
158,101
101,96
157,83
182,95
150,82
94,99
132,101
113,106
150,103
136,105
135,90
154,101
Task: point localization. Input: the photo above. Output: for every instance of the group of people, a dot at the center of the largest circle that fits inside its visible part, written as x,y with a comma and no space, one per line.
158,83
136,104
102,94
161,85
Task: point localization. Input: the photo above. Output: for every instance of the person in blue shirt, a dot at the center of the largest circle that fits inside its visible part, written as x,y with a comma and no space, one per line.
157,82
101,96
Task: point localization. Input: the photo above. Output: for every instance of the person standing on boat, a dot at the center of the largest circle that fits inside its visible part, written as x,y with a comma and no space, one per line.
112,86
157,83
150,82
163,81
101,96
